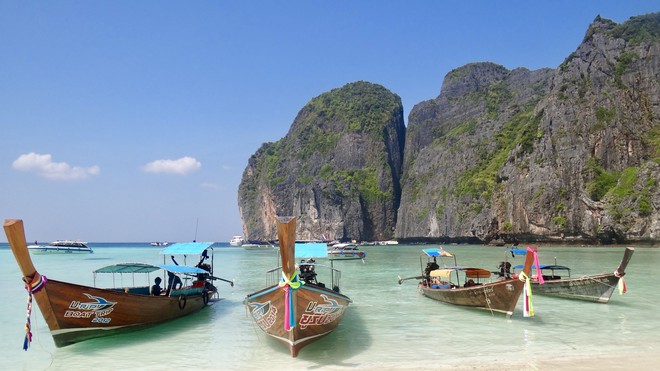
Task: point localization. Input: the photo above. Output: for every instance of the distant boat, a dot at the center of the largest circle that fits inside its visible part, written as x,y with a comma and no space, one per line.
390,242
75,313
236,241
345,251
557,281
156,243
61,246
257,246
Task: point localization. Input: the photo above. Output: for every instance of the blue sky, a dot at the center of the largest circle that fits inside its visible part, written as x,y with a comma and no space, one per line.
134,120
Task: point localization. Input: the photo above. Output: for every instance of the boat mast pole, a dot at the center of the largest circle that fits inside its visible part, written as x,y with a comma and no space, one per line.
286,233
16,238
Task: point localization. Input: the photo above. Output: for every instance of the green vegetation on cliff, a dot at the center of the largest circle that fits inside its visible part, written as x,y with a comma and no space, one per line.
643,28
519,134
360,106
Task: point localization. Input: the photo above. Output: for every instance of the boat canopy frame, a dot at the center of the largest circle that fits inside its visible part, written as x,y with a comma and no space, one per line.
145,268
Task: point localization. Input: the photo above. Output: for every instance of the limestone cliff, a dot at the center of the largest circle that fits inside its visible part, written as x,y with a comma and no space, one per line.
567,154
337,169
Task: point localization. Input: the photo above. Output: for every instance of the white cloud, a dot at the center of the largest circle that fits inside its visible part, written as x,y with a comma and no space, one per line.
182,166
43,165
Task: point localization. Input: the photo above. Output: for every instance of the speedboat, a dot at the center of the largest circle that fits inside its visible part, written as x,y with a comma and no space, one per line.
61,246
345,251
236,241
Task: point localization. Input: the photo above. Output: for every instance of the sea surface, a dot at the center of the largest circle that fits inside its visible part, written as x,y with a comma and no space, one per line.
388,326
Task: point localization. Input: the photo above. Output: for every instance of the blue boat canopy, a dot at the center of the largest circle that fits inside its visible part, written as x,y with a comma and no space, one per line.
148,268
186,248
434,252
181,269
311,250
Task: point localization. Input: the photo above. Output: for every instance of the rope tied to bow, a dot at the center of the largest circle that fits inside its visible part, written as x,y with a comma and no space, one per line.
35,285
289,284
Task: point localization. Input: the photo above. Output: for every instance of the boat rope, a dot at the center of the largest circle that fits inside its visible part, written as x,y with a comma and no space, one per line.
621,285
35,285
289,284
488,302
528,308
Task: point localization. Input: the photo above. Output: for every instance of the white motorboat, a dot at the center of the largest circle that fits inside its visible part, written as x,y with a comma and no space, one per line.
236,241
61,246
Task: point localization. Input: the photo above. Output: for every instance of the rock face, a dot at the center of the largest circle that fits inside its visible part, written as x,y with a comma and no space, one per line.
570,154
337,169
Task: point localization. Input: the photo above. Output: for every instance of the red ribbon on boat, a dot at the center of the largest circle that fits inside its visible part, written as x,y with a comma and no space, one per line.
528,307
539,275
38,282
288,285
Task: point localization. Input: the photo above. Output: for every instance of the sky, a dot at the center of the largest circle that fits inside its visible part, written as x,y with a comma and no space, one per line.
133,121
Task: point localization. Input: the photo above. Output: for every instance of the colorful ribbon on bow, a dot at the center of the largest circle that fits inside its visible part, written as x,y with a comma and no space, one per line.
622,283
288,285
539,275
528,307
38,282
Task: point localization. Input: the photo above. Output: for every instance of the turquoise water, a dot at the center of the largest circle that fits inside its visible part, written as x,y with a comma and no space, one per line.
388,326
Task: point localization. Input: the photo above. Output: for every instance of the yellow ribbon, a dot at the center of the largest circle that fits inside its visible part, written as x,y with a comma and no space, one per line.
291,282
528,308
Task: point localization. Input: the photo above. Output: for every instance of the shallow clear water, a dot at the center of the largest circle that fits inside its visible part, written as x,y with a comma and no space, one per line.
388,325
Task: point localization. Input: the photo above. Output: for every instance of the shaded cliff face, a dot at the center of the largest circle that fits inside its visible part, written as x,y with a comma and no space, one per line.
565,154
337,169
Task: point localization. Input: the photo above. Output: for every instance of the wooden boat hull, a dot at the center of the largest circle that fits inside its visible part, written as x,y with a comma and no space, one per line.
500,296
317,312
596,288
75,313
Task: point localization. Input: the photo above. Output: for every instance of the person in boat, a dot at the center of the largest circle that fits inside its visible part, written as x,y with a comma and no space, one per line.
430,266
505,269
469,283
156,290
436,283
174,282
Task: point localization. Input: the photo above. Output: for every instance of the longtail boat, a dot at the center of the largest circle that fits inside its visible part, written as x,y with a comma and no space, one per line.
298,309
75,312
557,281
473,287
